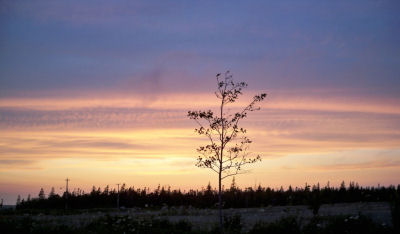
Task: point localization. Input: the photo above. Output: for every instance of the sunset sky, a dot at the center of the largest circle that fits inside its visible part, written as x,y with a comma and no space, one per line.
98,91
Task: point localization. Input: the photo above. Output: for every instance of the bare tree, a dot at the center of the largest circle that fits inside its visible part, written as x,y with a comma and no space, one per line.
227,151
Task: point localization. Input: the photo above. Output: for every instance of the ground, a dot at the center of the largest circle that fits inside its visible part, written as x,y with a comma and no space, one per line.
205,219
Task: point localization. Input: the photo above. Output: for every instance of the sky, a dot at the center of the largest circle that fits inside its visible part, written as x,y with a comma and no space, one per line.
98,91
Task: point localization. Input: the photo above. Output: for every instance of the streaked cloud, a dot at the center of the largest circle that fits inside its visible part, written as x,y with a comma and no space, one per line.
379,164
119,128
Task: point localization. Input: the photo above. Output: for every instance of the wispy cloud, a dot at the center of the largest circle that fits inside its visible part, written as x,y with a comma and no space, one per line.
19,164
378,164
90,12
127,128
11,162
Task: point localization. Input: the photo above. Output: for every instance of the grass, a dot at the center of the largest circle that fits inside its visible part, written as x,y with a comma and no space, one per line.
232,224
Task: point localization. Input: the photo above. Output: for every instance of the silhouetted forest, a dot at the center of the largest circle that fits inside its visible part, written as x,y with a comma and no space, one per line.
233,197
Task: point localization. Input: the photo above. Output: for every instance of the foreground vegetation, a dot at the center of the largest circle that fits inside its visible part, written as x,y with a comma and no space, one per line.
233,224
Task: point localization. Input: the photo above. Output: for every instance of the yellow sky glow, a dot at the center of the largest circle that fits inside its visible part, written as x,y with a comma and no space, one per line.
102,141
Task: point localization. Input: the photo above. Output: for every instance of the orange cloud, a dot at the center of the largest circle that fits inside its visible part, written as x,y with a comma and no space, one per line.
129,138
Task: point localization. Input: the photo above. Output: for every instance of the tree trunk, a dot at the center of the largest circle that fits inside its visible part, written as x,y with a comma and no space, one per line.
221,228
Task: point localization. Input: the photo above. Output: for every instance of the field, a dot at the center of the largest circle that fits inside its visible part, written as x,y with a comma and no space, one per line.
189,220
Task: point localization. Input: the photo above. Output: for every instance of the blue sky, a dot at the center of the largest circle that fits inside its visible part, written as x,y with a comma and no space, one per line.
49,45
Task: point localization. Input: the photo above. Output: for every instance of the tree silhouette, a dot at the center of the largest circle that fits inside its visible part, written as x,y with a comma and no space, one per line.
41,194
233,197
52,192
18,200
227,151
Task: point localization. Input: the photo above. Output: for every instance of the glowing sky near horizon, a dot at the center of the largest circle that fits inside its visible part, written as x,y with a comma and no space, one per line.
98,91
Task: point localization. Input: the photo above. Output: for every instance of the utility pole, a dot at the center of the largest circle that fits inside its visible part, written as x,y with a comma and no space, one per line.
118,197
66,194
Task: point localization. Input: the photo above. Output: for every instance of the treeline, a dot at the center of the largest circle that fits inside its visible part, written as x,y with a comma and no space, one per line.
233,197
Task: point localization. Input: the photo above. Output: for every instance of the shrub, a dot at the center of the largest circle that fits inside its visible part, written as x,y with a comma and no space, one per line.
288,225
358,224
232,224
125,224
395,211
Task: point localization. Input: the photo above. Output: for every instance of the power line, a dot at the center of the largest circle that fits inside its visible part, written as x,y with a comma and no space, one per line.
66,193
